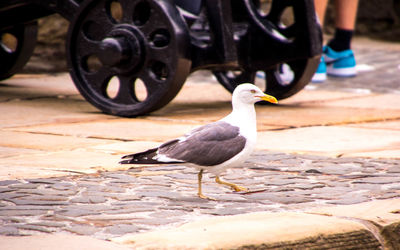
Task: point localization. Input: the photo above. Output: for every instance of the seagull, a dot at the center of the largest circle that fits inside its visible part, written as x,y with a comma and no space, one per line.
213,147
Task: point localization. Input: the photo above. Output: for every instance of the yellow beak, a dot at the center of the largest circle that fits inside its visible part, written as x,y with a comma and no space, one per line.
269,98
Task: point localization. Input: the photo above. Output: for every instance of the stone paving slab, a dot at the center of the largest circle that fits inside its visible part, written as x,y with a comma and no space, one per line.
31,86
385,154
382,212
258,231
46,141
332,141
57,241
389,125
43,111
56,163
387,102
116,129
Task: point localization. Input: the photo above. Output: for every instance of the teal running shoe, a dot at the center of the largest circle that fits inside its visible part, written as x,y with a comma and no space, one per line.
340,64
320,75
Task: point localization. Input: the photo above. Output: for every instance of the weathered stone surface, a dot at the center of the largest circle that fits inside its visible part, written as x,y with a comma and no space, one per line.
64,186
8,182
32,201
9,230
227,232
48,224
123,197
25,207
378,180
54,191
356,239
22,212
89,199
82,229
58,241
382,212
11,195
45,141
335,140
391,237
25,186
35,228
122,178
76,212
122,229
156,221
43,181
128,210
167,213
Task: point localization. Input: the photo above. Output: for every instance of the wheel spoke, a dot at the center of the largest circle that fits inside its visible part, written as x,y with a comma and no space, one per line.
125,93
276,10
153,23
163,55
87,47
98,80
297,66
273,80
127,8
96,25
290,31
6,56
152,84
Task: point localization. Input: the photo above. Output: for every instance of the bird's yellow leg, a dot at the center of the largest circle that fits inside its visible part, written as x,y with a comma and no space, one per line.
235,187
200,193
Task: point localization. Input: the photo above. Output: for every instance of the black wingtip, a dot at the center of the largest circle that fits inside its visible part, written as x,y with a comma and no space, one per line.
125,162
127,156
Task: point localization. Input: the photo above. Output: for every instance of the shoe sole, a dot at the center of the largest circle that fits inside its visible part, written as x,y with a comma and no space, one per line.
318,78
341,72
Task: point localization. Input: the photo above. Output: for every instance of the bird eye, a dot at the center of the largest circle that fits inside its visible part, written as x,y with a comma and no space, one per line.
253,91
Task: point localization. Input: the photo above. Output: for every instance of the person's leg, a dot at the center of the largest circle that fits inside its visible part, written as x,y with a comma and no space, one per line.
338,55
320,8
346,12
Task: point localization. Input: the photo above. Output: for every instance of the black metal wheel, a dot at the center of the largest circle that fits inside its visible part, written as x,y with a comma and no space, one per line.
128,57
281,81
16,47
287,78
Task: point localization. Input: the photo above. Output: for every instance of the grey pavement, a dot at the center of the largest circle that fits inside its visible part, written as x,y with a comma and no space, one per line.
110,204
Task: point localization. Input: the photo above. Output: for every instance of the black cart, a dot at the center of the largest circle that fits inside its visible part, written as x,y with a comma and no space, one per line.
158,43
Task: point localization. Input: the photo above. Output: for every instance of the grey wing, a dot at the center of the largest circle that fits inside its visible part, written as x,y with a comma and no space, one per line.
208,145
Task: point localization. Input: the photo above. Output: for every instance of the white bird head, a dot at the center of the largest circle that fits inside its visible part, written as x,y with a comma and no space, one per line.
249,94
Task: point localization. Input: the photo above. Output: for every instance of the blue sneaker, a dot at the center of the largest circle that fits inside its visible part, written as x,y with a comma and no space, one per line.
340,64
320,75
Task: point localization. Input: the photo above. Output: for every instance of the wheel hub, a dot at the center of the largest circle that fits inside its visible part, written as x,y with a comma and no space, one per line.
113,51
121,49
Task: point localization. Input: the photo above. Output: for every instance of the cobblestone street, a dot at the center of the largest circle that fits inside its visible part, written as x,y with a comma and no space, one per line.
114,203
